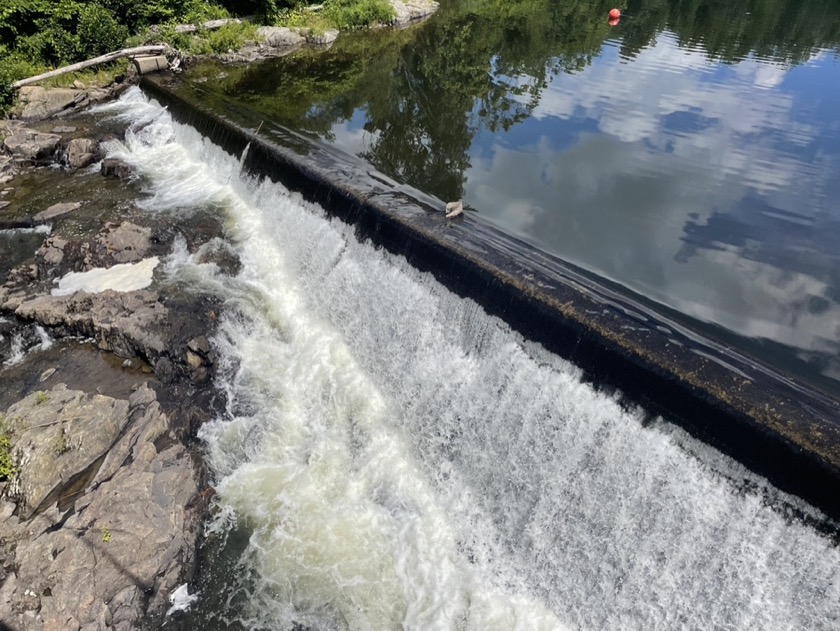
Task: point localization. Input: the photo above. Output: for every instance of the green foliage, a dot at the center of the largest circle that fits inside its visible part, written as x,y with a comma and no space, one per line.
7,461
14,67
201,11
231,36
353,14
264,11
41,397
99,31
106,535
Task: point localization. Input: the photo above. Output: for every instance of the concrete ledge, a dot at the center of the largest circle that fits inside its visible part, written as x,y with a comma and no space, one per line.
775,427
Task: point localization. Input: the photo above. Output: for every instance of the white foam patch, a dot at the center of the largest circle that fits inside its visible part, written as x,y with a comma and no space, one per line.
181,599
41,229
121,277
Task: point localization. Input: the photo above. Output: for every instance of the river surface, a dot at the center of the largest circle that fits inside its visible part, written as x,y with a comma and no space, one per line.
689,154
391,457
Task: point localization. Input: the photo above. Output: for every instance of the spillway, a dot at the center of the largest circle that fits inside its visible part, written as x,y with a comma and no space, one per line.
392,456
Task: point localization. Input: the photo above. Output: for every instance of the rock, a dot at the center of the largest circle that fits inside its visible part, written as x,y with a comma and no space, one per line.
193,360
63,129
27,145
79,85
146,65
319,39
128,539
209,25
98,95
49,372
280,36
114,167
4,204
81,152
53,250
61,436
56,210
7,169
199,345
41,103
125,243
125,323
406,12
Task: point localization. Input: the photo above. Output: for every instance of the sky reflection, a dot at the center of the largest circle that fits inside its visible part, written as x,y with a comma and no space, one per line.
708,188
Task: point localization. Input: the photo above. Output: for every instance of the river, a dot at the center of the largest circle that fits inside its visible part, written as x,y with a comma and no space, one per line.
393,457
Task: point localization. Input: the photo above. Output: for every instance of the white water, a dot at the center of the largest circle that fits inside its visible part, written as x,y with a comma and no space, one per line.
19,346
403,461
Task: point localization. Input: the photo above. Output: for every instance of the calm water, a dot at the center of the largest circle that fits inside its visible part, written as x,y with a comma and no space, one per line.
689,154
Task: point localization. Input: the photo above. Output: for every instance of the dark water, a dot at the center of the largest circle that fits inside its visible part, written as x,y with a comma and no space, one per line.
690,154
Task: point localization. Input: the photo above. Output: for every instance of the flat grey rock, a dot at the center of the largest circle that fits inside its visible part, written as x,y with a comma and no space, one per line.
28,145
280,36
41,102
57,210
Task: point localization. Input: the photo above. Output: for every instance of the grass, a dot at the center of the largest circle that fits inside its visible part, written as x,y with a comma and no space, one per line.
91,77
231,36
356,14
339,14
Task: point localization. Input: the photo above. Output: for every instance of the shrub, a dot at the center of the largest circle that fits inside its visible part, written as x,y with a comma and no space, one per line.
231,36
352,14
99,31
7,461
12,68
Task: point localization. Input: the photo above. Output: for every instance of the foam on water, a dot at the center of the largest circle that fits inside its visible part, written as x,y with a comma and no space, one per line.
402,460
120,277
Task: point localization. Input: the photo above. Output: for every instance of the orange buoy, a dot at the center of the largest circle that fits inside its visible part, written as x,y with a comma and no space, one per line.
615,14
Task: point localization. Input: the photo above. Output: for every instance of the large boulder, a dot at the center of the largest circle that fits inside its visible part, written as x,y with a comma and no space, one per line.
280,37
412,10
81,152
27,145
38,102
114,167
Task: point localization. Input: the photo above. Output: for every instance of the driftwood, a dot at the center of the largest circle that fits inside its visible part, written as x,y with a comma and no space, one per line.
155,49
207,26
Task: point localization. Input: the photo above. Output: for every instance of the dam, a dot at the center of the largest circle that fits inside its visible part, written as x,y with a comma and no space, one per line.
393,455
438,424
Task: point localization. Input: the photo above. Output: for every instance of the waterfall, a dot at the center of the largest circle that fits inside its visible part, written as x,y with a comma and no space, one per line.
395,458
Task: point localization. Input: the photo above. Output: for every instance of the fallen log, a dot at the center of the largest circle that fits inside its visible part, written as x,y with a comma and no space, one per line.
154,49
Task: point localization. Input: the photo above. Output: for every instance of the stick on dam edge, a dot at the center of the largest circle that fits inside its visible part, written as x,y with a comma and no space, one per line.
776,428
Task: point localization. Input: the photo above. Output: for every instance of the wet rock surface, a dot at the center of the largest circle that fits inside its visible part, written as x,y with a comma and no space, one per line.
101,391
107,534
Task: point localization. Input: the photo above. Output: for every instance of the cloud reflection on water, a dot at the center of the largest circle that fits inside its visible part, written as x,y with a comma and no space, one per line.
704,187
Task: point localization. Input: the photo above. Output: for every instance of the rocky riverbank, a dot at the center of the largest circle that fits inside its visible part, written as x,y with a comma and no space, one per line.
106,372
